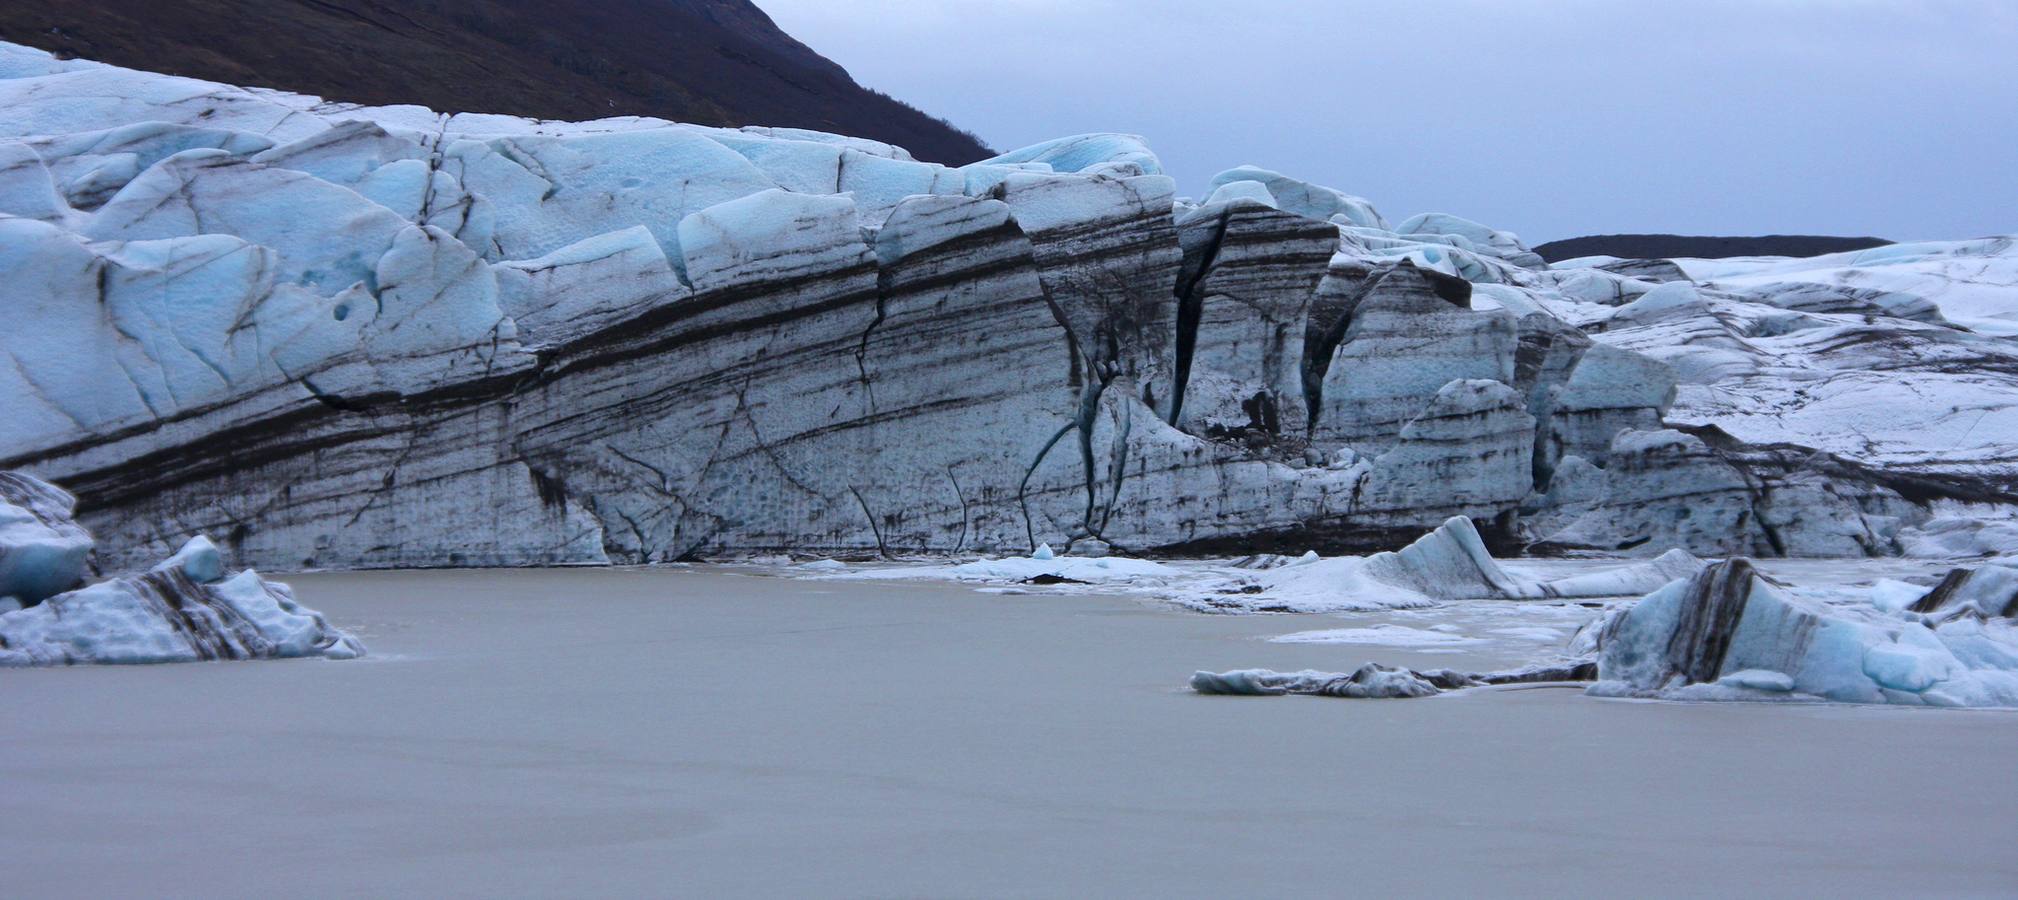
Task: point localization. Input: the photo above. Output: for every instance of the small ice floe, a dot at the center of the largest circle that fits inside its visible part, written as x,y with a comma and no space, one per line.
1042,567
1386,635
1375,681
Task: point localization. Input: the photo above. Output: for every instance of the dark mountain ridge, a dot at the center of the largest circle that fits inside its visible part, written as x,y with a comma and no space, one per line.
709,62
1670,246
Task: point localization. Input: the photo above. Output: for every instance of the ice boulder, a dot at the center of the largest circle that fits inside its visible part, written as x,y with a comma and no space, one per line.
393,172
183,610
1610,391
42,550
344,154
327,236
1600,287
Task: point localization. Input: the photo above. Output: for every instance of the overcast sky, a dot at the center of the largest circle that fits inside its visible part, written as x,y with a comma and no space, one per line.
1897,118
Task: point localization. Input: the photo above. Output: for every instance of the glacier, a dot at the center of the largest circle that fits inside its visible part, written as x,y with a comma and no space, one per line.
342,336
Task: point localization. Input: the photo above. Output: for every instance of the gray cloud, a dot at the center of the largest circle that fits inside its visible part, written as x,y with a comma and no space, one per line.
1548,118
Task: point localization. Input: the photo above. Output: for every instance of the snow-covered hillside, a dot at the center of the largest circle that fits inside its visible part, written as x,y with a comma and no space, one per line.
344,336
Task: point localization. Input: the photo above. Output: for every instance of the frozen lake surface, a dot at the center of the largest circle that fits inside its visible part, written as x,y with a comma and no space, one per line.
711,732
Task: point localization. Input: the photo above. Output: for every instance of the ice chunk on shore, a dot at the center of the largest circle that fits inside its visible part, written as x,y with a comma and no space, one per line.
184,610
1450,563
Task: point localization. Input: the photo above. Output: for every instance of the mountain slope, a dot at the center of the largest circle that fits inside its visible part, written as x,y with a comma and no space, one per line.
709,62
1672,246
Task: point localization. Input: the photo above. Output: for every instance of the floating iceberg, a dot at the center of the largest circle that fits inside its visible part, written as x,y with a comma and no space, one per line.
1730,633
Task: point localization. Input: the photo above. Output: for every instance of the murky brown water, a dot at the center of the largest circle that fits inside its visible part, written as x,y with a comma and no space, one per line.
706,733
